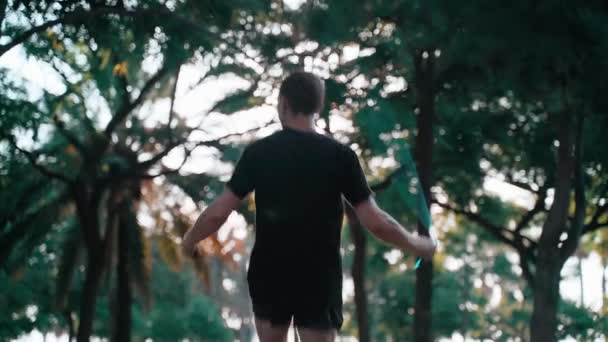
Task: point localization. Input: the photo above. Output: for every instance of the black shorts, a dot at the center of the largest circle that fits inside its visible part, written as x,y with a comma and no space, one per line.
322,318
307,290
311,305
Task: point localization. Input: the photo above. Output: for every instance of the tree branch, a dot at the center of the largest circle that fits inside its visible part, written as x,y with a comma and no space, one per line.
168,171
127,106
68,135
524,186
147,163
538,207
78,14
60,125
84,15
495,230
526,254
27,34
32,159
602,209
593,227
72,90
595,223
216,106
524,263
171,112
213,142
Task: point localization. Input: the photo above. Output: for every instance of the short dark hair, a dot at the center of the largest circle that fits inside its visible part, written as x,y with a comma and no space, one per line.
304,92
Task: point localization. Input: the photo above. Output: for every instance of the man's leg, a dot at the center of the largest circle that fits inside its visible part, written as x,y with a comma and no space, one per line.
317,325
268,332
316,335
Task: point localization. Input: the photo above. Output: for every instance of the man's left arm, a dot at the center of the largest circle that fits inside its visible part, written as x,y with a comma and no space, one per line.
210,220
213,217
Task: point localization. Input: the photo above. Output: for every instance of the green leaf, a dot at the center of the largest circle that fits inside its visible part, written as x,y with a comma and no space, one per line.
238,101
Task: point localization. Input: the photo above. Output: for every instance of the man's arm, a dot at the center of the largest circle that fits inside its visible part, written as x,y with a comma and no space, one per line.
210,220
386,228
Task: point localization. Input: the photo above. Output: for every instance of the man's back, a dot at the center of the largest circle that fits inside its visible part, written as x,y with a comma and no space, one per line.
296,191
299,178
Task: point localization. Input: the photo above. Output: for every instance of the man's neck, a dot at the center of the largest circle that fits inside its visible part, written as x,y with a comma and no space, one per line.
301,123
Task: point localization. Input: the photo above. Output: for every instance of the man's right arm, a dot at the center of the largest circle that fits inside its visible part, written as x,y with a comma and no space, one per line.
386,228
357,192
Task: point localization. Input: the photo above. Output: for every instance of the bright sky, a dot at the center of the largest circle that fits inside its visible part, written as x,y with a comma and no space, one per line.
190,104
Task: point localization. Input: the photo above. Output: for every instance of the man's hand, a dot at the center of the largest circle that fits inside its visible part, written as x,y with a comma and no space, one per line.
424,247
209,221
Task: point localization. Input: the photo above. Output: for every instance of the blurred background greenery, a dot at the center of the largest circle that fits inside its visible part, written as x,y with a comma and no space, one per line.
121,119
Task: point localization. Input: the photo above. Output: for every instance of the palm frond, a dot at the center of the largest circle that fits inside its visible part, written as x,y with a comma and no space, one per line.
201,268
169,251
23,235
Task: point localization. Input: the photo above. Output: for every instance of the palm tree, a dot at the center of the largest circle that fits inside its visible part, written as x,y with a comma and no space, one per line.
85,176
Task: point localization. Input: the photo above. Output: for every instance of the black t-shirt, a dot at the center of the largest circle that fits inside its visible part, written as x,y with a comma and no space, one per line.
298,178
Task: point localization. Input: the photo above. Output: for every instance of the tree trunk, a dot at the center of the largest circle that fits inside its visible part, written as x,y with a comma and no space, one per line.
546,296
358,273
70,321
89,295
122,313
425,98
549,262
88,216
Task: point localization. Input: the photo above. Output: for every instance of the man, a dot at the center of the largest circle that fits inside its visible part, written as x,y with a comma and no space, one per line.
299,178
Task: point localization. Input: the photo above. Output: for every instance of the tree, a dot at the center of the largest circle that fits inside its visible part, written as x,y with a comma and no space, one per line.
479,69
102,52
540,111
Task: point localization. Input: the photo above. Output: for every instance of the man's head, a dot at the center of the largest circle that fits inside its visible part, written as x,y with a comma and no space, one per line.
301,93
